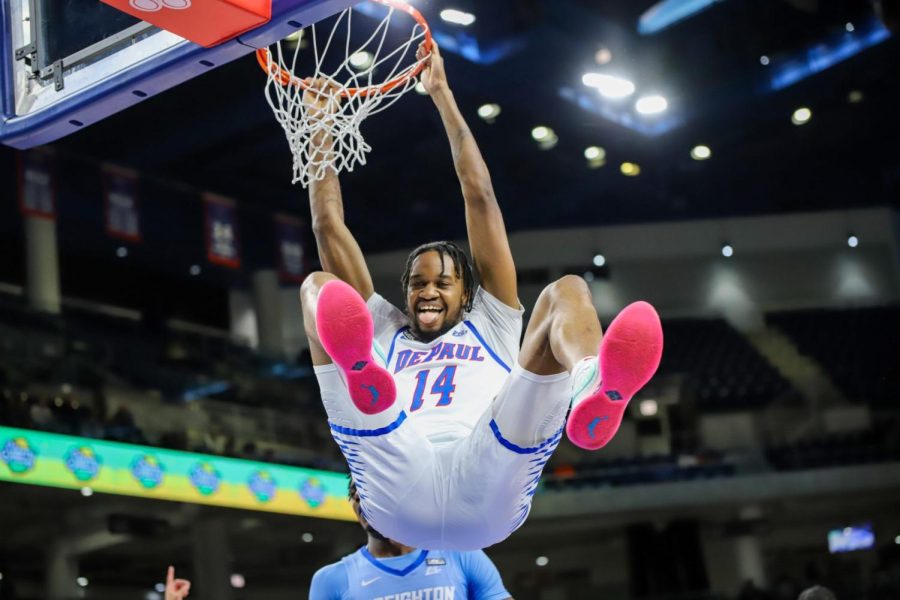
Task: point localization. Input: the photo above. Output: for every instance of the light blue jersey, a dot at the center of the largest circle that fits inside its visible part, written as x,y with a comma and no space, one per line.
419,575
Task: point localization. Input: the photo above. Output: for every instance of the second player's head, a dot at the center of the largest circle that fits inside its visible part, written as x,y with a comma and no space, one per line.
353,496
440,285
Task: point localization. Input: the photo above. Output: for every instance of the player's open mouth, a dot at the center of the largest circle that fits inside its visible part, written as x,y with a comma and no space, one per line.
429,314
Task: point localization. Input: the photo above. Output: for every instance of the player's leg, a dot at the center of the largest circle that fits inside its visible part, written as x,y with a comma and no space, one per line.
309,296
607,370
340,331
391,462
519,432
492,476
563,328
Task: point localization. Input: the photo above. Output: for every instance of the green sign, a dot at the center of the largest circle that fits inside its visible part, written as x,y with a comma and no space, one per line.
48,459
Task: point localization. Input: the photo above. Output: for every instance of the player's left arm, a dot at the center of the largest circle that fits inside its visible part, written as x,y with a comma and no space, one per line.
482,576
484,221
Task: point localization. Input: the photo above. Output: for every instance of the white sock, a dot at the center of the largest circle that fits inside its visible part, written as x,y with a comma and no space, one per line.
585,378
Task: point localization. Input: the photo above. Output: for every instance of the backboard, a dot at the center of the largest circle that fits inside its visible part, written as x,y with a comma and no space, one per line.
65,64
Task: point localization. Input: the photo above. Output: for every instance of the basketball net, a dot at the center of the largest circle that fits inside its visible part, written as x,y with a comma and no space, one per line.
329,138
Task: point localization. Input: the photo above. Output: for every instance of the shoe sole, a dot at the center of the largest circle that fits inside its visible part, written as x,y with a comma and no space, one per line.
629,356
346,332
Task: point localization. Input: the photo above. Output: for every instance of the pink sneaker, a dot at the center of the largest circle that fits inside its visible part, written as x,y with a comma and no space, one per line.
346,331
629,356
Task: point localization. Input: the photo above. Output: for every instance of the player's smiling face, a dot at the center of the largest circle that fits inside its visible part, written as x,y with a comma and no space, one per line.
434,296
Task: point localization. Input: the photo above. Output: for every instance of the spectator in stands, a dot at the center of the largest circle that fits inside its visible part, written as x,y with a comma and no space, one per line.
250,451
749,591
41,415
817,592
90,424
19,411
67,415
216,439
121,427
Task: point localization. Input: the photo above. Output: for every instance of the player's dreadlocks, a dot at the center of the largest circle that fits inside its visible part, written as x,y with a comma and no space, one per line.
461,266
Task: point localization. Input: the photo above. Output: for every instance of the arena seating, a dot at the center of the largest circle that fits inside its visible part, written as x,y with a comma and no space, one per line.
722,370
857,347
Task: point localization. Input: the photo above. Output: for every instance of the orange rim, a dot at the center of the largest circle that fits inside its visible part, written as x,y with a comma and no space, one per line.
286,77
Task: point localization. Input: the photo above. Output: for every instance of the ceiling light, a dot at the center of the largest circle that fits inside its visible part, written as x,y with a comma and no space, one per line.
121,251
849,27
897,540
609,86
457,17
82,581
648,408
195,270
160,587
420,88
630,169
596,156
294,38
701,152
651,105
764,60
602,56
544,136
361,60
727,251
87,492
238,581
853,241
542,561
855,97
540,133
489,112
588,276
801,116
307,537
599,260
594,153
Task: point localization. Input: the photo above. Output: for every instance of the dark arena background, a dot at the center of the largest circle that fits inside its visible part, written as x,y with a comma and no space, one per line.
734,162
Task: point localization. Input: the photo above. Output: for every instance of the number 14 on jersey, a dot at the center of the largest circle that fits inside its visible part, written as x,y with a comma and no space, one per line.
442,388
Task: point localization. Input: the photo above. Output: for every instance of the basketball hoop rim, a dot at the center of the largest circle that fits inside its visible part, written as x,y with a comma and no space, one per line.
284,77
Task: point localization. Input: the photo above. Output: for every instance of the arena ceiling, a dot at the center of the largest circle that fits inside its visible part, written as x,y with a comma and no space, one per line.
216,132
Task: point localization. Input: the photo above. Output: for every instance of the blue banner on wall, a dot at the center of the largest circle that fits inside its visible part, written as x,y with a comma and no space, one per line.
120,194
37,196
291,253
222,241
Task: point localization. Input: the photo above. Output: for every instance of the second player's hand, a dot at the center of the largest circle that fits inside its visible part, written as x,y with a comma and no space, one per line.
433,76
176,589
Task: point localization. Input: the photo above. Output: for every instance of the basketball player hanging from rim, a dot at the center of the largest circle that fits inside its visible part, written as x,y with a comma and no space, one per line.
445,423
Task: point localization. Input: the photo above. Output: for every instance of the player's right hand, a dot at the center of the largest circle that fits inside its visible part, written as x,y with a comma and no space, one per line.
176,589
321,96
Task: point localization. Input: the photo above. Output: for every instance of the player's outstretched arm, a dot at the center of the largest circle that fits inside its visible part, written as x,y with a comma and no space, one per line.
176,589
484,221
338,250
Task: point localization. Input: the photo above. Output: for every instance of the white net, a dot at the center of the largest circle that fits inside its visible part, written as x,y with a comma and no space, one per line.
366,79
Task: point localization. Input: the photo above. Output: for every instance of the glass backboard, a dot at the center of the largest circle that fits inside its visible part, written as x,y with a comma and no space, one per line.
65,64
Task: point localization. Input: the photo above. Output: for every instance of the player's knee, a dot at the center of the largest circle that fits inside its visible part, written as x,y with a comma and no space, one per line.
566,287
309,290
570,284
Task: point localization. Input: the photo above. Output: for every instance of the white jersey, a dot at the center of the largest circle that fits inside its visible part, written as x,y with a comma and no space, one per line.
446,385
